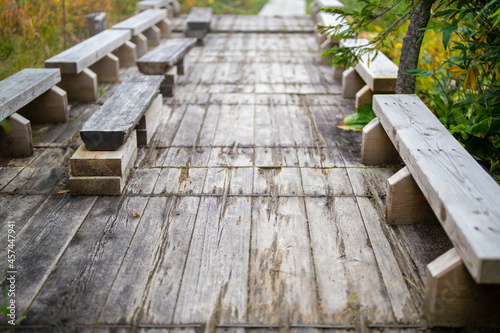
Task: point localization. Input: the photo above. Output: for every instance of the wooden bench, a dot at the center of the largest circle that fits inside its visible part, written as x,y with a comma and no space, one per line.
31,93
328,40
463,285
96,23
150,25
127,119
317,5
198,23
173,7
98,57
167,60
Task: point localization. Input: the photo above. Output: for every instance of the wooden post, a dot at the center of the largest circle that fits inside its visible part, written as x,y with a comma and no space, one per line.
50,107
170,11
107,69
454,299
164,26
376,147
141,44
364,96
81,87
17,141
148,124
405,203
153,35
351,83
127,54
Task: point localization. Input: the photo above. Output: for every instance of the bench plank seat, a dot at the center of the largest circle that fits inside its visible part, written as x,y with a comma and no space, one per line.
159,60
461,193
23,87
110,126
380,74
75,59
329,4
199,18
142,21
151,4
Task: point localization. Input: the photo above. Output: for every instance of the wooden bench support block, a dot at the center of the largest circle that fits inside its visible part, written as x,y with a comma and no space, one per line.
337,72
104,163
405,203
81,87
141,44
454,299
198,34
376,147
107,69
364,96
153,35
168,86
351,83
176,7
50,107
17,141
164,26
127,54
320,38
181,68
148,124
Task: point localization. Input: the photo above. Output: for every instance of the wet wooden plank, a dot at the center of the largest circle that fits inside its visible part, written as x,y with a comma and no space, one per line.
79,286
142,181
7,174
42,242
36,181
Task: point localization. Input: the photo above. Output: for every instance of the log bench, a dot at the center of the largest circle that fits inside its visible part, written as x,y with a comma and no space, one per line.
167,60
443,180
31,93
198,23
110,137
317,5
96,58
149,25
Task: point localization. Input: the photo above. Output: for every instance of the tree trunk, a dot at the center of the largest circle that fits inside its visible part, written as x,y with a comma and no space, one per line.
405,83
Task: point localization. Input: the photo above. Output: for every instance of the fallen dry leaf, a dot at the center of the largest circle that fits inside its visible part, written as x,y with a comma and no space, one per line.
187,179
63,192
136,215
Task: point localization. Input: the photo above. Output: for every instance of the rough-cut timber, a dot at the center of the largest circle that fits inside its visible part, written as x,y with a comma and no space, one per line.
162,58
142,21
75,59
460,192
111,125
379,74
199,19
23,87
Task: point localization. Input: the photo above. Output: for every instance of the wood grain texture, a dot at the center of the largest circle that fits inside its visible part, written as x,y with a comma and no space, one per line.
19,141
111,125
162,58
23,87
142,21
75,59
458,189
379,73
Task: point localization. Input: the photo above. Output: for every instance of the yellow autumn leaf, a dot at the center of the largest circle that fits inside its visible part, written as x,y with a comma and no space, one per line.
136,215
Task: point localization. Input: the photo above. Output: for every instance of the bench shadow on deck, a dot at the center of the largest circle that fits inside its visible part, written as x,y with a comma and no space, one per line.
249,208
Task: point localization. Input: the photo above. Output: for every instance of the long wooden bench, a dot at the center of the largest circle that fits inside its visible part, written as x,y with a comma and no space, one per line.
167,60
98,57
173,7
463,285
198,23
150,25
327,40
317,5
127,119
31,93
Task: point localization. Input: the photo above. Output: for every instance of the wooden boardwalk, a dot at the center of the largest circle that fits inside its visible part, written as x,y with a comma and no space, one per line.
249,210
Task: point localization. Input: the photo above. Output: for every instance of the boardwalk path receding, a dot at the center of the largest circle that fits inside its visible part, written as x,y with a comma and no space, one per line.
250,208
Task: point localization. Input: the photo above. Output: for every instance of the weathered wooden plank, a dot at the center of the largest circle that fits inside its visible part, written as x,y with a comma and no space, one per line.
379,74
75,59
282,283
42,241
151,4
142,21
448,177
7,174
18,142
36,181
333,181
199,18
23,87
111,125
52,158
77,289
159,60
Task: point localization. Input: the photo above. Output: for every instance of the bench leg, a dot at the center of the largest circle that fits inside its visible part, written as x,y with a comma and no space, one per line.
81,87
50,107
338,71
148,124
127,54
453,298
168,86
177,8
153,35
181,69
170,11
107,69
320,38
405,203
325,46
164,26
351,83
17,140
364,96
141,44
376,147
